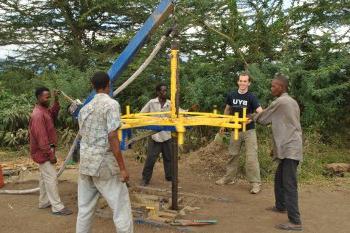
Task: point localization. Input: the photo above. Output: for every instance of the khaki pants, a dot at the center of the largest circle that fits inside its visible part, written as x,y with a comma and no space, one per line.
48,187
116,194
251,158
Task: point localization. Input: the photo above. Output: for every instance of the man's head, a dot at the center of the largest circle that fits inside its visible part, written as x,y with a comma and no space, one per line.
100,82
279,85
161,91
243,81
43,96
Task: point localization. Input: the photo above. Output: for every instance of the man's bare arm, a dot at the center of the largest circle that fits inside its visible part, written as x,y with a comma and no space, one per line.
226,112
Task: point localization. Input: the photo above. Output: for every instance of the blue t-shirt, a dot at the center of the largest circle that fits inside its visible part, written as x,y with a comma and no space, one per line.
239,101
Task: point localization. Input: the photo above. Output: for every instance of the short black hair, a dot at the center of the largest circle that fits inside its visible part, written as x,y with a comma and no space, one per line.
40,90
158,87
283,79
100,80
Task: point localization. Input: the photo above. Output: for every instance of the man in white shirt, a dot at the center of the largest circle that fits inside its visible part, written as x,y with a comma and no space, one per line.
102,170
159,142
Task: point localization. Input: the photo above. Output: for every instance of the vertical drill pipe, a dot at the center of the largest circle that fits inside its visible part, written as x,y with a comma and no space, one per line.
174,113
174,175
173,84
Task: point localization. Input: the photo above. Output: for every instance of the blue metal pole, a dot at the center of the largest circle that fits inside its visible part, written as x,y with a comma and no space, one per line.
164,9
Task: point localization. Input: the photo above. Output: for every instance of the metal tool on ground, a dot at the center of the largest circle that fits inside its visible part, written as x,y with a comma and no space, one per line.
185,222
158,224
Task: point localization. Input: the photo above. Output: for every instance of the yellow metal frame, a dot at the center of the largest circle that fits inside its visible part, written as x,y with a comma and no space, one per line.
173,81
183,119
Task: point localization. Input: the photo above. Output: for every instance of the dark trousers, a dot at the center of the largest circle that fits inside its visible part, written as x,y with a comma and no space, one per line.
286,189
154,148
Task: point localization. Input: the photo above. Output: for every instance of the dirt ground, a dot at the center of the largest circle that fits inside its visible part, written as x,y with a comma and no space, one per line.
324,208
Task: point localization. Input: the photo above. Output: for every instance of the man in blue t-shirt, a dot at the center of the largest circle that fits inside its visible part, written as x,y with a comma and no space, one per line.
235,102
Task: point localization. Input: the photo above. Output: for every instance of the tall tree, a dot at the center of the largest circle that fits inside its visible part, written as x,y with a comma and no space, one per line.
81,31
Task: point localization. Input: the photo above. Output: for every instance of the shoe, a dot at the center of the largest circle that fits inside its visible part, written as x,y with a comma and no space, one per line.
168,179
289,227
63,212
274,209
224,180
144,183
47,205
255,188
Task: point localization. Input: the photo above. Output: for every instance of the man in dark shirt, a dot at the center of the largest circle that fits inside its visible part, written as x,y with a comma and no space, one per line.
43,141
235,102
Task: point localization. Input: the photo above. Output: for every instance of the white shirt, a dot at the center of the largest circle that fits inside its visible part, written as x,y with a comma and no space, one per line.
154,106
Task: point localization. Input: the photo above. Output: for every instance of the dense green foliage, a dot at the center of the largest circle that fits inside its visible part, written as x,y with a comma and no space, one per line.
64,42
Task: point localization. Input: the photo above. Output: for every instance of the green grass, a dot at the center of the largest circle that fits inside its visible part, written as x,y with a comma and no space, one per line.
316,155
8,154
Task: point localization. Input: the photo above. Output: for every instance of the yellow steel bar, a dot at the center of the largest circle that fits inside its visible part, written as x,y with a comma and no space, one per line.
232,118
236,122
120,134
145,114
198,120
180,129
214,122
173,84
181,113
206,114
209,114
127,109
244,118
181,121
184,122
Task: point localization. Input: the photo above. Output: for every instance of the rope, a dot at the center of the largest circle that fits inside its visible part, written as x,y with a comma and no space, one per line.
144,64
67,97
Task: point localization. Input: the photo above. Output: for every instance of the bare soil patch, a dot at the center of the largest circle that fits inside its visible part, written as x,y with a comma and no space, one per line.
324,208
